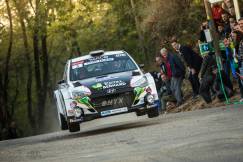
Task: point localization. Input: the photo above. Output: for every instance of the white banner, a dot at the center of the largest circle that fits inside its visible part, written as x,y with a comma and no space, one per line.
215,1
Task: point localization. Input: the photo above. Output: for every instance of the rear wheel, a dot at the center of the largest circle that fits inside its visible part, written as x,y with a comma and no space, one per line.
74,127
63,122
154,112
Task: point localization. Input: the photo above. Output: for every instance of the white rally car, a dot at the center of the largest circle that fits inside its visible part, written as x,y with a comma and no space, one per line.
102,84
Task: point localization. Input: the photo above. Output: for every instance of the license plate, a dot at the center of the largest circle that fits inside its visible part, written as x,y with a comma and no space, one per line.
114,111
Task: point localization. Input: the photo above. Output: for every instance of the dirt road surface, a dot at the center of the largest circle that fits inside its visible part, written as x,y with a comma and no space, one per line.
212,135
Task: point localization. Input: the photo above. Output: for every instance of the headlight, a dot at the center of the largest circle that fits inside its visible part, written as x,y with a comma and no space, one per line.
142,82
150,99
77,94
77,112
80,92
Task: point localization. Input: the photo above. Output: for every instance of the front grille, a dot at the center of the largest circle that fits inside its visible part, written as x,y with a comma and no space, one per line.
113,101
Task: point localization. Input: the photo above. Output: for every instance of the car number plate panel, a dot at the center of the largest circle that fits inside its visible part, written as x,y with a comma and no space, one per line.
114,111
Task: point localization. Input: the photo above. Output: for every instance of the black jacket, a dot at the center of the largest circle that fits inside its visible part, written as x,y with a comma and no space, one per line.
192,59
176,65
209,63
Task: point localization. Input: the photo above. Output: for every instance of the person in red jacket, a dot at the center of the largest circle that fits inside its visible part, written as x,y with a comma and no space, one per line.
217,12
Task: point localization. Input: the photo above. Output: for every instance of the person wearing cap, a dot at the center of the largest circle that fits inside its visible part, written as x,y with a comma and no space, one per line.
178,73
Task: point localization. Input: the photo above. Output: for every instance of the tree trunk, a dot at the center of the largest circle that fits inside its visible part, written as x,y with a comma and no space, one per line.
31,117
6,69
37,58
2,108
138,28
45,67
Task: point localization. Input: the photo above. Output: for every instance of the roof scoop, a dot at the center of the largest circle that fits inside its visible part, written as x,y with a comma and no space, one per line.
97,53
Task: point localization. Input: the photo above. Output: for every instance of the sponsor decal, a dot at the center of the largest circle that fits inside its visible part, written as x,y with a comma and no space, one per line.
111,84
111,91
111,102
138,91
86,101
97,86
76,120
114,111
105,78
98,60
77,64
121,55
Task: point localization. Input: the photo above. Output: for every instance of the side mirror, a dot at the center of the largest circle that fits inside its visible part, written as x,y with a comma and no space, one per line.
61,82
141,66
135,73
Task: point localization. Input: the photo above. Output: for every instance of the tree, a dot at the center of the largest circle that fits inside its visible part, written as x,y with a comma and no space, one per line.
5,83
21,12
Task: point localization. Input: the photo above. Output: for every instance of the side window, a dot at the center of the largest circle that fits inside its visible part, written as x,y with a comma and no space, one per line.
130,65
65,72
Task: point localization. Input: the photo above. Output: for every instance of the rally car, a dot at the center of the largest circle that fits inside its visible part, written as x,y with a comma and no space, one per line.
102,84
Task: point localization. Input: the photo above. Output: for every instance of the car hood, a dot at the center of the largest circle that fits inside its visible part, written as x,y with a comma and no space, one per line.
108,84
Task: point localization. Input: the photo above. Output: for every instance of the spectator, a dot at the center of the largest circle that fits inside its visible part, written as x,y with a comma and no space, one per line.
231,11
227,84
177,71
207,76
165,91
234,36
211,80
193,61
217,12
232,23
228,6
221,32
225,59
164,67
202,37
157,79
226,23
239,29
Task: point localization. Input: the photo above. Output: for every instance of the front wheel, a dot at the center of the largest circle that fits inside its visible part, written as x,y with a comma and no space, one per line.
63,122
153,112
74,127
140,113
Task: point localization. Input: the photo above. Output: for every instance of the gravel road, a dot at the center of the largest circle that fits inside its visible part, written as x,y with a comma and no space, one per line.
204,135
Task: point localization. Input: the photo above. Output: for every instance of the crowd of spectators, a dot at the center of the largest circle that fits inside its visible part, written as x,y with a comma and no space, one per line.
210,76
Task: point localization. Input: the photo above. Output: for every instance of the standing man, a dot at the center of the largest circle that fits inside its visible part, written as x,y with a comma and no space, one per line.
239,29
193,62
207,76
177,71
226,23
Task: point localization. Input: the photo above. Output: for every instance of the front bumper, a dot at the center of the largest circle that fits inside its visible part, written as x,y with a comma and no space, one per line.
112,112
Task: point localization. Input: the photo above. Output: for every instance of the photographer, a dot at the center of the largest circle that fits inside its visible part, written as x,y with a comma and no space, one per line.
165,92
202,36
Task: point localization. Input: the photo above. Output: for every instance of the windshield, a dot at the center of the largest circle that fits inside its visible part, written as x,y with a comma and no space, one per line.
102,65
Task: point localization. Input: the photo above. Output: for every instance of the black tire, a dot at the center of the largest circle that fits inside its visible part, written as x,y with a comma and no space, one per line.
154,112
64,125
140,113
74,127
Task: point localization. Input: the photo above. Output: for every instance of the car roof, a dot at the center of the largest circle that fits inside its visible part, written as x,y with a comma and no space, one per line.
106,53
